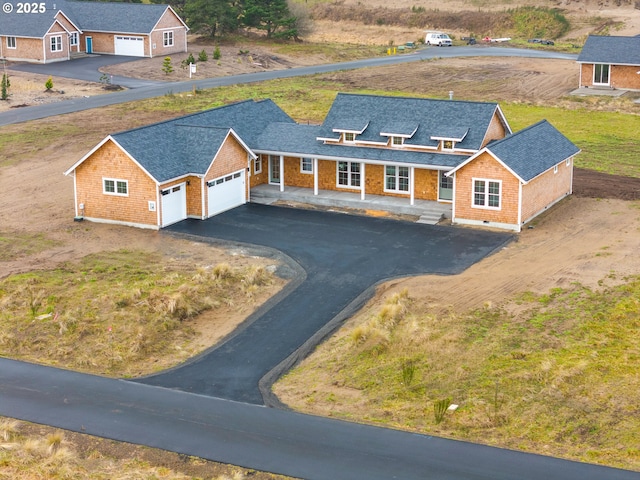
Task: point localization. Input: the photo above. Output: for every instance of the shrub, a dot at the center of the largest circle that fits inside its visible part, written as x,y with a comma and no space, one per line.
217,54
202,56
4,86
48,84
167,68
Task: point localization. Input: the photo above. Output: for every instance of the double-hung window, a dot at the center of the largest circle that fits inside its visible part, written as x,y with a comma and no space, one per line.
349,174
486,193
396,179
167,39
114,186
73,39
56,43
11,42
306,165
257,165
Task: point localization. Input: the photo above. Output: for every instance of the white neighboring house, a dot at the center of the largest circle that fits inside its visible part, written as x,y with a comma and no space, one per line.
437,38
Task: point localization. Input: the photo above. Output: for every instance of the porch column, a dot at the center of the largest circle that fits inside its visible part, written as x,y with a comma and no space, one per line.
282,173
315,176
412,187
362,181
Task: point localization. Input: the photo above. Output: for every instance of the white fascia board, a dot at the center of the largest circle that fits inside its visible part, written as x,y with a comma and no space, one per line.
485,149
91,152
241,142
352,159
60,12
357,132
403,135
551,168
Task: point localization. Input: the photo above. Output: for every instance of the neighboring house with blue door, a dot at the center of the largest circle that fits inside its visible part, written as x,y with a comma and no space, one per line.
458,153
610,62
58,30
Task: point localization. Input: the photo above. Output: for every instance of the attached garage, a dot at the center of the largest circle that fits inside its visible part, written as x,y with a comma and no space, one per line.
225,193
129,46
174,204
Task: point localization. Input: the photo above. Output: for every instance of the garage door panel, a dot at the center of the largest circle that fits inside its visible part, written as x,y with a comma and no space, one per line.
130,46
227,192
174,204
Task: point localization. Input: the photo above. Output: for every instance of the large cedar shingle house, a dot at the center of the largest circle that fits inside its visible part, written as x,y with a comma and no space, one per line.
459,153
60,29
610,62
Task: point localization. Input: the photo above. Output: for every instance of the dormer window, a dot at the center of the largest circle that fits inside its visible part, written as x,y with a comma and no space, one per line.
397,141
448,145
349,137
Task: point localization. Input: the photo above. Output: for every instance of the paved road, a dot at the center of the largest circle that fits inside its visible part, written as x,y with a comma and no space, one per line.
60,108
343,256
262,438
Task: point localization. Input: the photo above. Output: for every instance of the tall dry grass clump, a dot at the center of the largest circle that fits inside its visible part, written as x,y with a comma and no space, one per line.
112,312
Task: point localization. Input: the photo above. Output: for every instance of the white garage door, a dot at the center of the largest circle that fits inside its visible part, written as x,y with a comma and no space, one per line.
174,204
226,192
131,46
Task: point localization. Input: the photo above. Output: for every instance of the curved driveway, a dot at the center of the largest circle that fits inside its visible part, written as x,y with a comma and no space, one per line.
343,256
18,115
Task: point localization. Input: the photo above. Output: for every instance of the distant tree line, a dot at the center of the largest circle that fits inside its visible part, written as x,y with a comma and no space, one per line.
219,17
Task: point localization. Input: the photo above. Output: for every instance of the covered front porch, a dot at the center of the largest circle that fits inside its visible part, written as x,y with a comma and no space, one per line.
429,212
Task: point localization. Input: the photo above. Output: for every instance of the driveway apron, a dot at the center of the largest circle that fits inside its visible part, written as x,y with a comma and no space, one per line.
343,257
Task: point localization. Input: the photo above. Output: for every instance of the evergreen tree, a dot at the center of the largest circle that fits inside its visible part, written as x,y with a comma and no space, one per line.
212,17
272,16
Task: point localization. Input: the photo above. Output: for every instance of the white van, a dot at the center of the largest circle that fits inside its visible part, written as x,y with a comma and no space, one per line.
437,38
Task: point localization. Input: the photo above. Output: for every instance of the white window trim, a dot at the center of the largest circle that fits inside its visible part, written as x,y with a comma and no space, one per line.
555,169
302,170
344,137
350,176
115,186
15,43
568,162
57,41
74,39
445,149
257,163
486,194
608,82
167,38
393,141
397,176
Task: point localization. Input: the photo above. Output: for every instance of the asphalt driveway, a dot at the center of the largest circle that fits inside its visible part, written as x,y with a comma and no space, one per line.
86,68
343,257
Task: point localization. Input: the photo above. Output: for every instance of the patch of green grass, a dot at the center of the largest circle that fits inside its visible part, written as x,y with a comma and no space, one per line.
27,140
17,245
562,375
609,140
116,312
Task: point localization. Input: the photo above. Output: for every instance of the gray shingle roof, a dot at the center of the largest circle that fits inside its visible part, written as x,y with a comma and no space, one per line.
188,144
533,150
433,117
302,140
611,50
92,16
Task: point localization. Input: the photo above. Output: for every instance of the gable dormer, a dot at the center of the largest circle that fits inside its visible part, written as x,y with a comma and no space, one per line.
448,137
398,132
350,128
